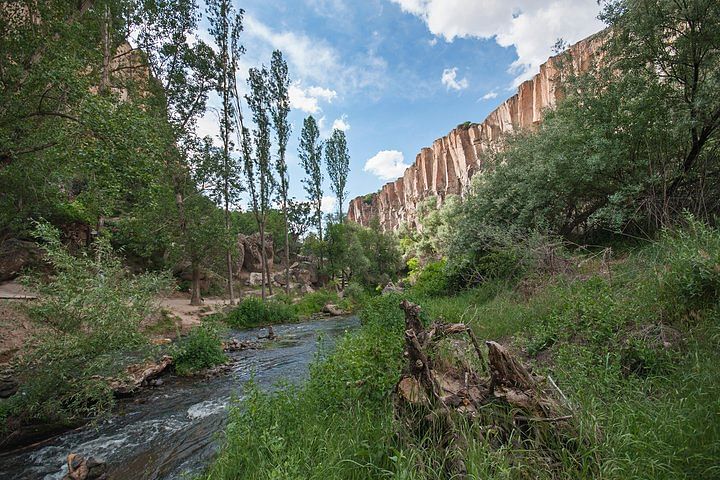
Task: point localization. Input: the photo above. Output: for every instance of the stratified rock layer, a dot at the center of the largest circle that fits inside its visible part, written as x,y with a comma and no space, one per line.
446,167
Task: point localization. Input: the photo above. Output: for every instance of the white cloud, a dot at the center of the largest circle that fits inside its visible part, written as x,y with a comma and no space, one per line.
341,123
309,57
323,93
387,164
449,79
328,204
315,61
308,100
530,26
489,95
432,42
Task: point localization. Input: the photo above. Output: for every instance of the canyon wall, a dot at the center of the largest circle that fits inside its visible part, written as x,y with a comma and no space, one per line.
446,167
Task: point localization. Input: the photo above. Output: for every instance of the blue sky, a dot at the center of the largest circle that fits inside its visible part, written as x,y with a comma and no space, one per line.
397,74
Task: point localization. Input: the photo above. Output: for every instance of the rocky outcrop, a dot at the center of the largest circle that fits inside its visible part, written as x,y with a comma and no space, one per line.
249,248
446,167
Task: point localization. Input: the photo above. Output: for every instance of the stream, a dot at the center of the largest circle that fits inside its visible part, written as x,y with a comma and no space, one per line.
173,431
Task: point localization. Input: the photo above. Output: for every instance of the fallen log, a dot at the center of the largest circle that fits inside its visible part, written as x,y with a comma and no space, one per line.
138,375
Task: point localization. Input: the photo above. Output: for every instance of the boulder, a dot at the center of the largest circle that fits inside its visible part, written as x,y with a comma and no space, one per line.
304,273
183,271
252,259
255,279
16,256
333,309
81,468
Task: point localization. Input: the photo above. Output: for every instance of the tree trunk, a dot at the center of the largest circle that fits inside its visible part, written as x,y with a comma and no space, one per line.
195,298
105,79
320,236
287,250
263,260
231,290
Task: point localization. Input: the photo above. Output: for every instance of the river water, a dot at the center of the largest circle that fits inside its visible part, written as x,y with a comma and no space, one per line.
173,431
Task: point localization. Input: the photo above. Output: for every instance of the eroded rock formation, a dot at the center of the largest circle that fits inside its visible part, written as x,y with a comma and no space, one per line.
447,166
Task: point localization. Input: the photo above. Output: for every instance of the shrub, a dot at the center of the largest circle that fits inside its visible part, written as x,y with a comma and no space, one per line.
432,281
200,349
253,312
90,314
314,302
692,278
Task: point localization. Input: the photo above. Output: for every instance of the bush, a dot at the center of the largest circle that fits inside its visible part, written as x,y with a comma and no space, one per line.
200,349
692,278
253,312
314,302
432,281
90,314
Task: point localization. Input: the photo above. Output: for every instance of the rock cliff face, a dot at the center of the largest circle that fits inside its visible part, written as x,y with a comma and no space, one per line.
447,166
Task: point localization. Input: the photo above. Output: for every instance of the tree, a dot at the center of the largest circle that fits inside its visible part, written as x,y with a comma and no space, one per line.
225,27
279,109
310,153
674,46
186,74
65,152
258,160
337,160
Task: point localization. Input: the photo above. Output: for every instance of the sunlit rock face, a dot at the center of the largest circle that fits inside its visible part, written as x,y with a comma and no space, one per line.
447,166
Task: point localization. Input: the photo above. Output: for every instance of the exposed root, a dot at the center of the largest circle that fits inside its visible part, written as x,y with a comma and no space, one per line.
439,395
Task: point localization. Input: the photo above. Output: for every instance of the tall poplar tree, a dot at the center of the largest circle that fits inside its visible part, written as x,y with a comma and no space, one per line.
259,166
279,108
337,160
310,153
225,27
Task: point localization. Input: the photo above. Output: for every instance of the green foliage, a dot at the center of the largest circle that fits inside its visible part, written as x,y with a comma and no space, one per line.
303,432
310,155
432,281
200,349
365,255
314,302
692,279
621,152
254,312
337,160
89,322
606,340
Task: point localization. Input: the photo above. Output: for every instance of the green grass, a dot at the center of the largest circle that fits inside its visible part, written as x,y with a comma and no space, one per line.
254,312
644,408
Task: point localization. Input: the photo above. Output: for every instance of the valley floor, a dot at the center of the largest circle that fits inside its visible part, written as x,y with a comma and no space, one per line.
633,343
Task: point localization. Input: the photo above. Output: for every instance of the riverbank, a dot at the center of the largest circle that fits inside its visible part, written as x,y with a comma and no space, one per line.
172,430
633,344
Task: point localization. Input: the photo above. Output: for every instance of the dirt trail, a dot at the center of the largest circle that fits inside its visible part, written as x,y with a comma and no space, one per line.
190,316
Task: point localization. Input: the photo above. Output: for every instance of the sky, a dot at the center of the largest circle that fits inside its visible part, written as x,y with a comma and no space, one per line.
397,74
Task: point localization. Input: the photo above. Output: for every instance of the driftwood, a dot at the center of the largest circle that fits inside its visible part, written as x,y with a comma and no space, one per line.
139,375
499,394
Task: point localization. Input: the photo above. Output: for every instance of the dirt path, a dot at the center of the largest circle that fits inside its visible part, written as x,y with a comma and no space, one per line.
190,316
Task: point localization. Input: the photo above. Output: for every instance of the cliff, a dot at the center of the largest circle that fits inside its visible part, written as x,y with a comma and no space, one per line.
446,167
